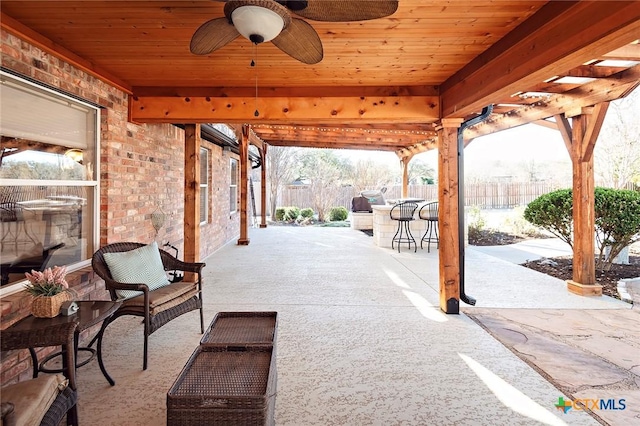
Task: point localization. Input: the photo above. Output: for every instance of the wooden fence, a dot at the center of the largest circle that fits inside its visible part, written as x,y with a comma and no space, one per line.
483,195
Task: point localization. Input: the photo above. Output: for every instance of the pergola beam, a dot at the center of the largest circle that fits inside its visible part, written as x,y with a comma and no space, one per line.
533,52
341,109
601,90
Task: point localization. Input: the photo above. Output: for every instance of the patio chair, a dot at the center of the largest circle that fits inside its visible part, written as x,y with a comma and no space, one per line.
47,399
135,273
429,212
403,213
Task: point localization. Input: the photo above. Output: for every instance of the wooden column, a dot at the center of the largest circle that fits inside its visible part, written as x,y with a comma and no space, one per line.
580,138
404,162
449,251
263,186
191,194
244,179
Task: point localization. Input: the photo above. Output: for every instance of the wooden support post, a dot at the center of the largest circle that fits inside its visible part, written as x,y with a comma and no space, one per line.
449,250
263,186
580,138
244,179
404,163
191,195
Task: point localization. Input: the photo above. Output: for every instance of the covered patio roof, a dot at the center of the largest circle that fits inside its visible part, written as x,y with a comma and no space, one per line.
382,84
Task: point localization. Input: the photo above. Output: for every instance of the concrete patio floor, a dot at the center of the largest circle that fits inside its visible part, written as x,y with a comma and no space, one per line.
361,338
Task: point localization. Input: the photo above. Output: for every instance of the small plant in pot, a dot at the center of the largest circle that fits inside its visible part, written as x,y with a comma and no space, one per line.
49,289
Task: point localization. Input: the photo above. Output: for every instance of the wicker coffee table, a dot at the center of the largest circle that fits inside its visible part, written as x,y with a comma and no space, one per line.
242,328
230,379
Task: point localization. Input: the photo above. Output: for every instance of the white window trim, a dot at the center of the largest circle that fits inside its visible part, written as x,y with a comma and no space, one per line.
19,286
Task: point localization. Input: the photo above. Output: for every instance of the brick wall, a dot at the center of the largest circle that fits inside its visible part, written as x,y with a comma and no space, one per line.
141,172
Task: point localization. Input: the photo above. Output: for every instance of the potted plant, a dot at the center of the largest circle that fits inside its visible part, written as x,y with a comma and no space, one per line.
50,290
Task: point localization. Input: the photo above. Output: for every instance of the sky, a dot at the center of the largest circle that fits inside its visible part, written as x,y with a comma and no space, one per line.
522,143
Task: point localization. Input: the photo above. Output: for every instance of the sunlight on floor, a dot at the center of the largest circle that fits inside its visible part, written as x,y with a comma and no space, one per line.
510,396
427,310
396,279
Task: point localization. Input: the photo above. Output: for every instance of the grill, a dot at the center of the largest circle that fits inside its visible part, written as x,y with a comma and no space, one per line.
366,199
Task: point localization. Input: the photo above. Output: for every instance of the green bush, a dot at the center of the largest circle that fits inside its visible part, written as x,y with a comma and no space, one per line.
476,222
338,214
280,214
291,213
617,219
617,216
306,213
553,212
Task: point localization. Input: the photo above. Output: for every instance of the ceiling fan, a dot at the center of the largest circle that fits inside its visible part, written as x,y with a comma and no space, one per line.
270,20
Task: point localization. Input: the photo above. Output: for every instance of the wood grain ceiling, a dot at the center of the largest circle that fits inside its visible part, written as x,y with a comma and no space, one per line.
381,85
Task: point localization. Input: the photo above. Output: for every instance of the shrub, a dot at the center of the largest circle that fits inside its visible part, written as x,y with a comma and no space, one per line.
476,222
617,219
280,214
306,213
553,212
338,214
617,216
291,213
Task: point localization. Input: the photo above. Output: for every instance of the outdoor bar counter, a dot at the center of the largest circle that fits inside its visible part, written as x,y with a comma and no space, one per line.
384,228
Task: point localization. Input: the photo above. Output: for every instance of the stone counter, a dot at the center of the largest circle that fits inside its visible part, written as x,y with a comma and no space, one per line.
384,228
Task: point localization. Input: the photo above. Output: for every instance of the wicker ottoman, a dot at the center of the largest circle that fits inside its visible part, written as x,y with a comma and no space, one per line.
242,328
225,385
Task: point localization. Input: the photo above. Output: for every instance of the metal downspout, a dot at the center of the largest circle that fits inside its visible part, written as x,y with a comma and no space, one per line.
471,122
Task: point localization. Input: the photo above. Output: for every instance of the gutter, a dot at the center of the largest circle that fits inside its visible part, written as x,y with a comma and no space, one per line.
486,111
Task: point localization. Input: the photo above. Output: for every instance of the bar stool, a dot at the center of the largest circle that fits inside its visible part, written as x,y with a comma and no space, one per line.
403,213
429,212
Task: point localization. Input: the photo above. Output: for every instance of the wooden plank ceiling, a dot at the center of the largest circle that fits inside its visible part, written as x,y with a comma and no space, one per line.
382,84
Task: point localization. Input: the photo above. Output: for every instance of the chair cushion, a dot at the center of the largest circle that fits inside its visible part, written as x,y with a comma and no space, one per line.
32,398
164,298
139,266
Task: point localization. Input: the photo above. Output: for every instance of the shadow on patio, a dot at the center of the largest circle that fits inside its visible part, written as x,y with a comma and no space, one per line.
361,339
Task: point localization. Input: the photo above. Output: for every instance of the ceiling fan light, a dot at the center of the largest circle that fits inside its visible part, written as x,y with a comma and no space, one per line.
256,23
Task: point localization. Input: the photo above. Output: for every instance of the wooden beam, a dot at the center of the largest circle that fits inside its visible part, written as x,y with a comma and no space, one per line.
244,181
404,163
274,110
601,90
594,125
286,92
565,132
584,279
191,193
449,251
532,52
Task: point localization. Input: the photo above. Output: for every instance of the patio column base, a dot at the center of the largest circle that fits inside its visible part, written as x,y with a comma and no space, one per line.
584,289
243,242
263,226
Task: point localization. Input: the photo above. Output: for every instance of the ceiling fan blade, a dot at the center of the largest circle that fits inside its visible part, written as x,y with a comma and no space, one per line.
346,10
300,41
212,35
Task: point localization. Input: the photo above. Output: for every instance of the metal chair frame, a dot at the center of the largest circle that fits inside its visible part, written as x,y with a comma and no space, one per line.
403,213
429,212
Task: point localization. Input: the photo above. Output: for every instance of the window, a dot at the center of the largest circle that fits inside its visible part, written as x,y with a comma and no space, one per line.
49,199
204,185
233,187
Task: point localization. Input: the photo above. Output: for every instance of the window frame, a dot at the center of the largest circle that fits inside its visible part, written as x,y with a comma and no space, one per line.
205,155
92,183
233,185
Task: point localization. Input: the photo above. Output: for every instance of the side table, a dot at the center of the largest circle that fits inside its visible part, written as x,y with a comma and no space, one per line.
89,314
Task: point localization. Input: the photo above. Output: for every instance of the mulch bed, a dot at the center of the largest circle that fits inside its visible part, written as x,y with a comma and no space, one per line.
562,267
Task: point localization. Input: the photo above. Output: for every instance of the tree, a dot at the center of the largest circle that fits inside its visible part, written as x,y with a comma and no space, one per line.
325,172
368,174
617,152
282,163
421,172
